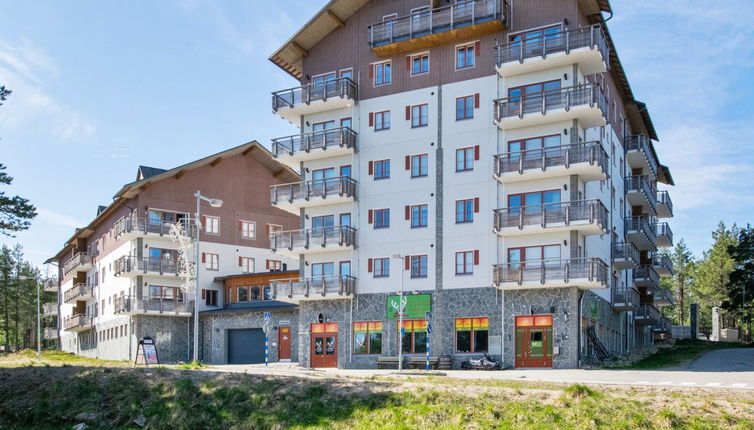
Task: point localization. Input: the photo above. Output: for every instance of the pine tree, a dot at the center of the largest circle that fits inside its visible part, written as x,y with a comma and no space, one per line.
712,271
740,294
683,276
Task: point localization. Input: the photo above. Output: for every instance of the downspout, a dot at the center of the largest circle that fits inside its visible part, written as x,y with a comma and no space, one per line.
581,327
350,328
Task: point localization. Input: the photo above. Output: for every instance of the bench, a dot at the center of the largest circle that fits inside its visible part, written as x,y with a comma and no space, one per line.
420,362
387,362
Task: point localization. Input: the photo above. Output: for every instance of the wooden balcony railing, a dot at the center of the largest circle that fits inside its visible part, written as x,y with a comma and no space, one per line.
547,215
643,144
556,156
129,223
563,98
50,284
305,94
592,37
129,304
327,286
50,333
625,251
323,236
77,321
592,269
78,260
132,264
78,290
342,137
343,186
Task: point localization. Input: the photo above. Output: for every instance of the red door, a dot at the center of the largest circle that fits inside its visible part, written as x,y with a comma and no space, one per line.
324,347
534,341
284,344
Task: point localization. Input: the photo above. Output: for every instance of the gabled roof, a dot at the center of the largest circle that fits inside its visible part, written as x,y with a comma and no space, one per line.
146,172
101,208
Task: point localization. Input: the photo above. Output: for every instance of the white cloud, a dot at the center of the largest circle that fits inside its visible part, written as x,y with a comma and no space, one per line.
58,219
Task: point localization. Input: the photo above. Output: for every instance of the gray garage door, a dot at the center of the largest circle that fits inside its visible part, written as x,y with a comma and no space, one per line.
246,346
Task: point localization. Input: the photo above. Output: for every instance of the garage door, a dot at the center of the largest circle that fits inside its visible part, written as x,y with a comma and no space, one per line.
246,346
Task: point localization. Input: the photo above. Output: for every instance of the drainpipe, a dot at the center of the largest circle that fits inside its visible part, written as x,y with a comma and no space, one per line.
350,328
581,327
502,332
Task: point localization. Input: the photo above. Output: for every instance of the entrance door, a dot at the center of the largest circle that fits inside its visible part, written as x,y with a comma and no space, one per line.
284,344
534,341
324,348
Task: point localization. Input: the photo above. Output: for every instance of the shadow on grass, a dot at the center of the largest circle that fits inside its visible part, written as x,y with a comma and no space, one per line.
674,358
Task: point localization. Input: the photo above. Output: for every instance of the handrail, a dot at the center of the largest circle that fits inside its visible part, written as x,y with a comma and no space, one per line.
663,197
626,250
592,36
445,18
664,294
307,93
340,185
129,223
50,308
78,320
662,260
341,235
130,263
126,304
626,295
562,98
77,260
78,290
547,214
642,143
648,311
542,158
663,229
642,224
343,137
342,285
642,184
593,269
647,273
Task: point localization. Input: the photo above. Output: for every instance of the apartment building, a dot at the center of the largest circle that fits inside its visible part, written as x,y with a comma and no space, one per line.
488,158
121,276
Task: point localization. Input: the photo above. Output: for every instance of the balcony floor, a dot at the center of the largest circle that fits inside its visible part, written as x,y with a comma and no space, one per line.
441,37
590,61
582,283
294,161
640,240
624,263
638,198
293,114
637,160
313,249
584,227
587,172
295,206
588,117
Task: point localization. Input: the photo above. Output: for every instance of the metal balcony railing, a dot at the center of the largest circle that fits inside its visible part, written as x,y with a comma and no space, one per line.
50,284
626,296
556,156
77,321
648,312
547,215
642,184
592,37
664,295
132,264
50,308
663,229
328,286
78,290
663,326
322,188
563,98
50,333
78,260
643,144
646,276
642,224
663,198
129,304
342,137
625,251
446,18
593,269
341,87
129,223
662,261
323,236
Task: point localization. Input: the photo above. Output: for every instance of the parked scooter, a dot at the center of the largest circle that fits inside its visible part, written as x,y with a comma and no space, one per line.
484,363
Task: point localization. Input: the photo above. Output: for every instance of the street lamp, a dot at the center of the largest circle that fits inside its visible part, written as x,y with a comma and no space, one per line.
39,319
215,203
399,257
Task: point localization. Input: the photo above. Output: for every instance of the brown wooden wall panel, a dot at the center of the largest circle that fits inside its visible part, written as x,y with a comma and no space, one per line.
231,284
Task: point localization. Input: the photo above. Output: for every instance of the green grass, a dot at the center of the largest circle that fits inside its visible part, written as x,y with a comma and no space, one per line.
194,365
684,350
54,358
59,397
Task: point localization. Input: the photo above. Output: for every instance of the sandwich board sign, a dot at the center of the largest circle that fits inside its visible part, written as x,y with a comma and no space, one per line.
146,352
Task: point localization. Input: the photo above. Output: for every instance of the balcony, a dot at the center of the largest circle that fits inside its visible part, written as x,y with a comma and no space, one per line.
330,287
78,292
663,297
640,154
319,192
640,230
588,160
130,227
322,239
587,216
314,98
640,192
314,145
662,264
625,255
586,46
49,309
646,276
50,284
585,103
50,333
664,235
625,298
443,25
127,305
663,326
80,262
647,314
129,266
585,273
664,205
77,323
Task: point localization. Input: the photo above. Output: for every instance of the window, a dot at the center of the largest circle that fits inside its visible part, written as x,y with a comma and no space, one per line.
382,169
414,336
419,115
465,107
382,218
465,56
533,144
465,210
465,159
472,335
532,94
248,229
381,267
212,261
247,264
465,261
419,216
420,64
419,165
382,73
536,254
345,171
382,120
533,203
418,266
274,265
160,292
367,337
211,225
210,298
274,228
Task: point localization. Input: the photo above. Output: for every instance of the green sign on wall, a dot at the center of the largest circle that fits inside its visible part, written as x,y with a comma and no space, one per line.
415,306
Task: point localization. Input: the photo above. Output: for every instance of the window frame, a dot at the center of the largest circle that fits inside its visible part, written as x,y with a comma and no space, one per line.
382,115
465,47
382,164
384,265
382,212
368,339
472,338
421,166
248,226
420,111
245,265
423,270
209,258
419,56
467,100
207,223
413,330
382,74
419,207
466,256
467,217
467,159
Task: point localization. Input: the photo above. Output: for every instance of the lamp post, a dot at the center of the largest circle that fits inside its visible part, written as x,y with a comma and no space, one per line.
215,203
39,318
399,257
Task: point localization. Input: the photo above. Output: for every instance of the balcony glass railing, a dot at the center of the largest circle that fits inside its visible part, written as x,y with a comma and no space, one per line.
556,156
542,271
563,98
328,286
50,284
128,224
552,214
625,297
663,198
323,236
641,224
664,295
662,261
643,144
342,137
646,276
132,264
128,304
642,184
585,37
50,308
317,91
664,231
648,312
625,251
341,186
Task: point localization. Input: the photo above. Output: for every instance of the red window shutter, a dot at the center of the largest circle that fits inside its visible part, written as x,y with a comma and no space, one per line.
371,167
204,222
476,48
371,71
476,101
240,261
204,294
407,263
369,265
476,257
268,229
408,63
267,264
476,204
408,162
371,119
408,212
204,257
240,225
370,216
476,152
408,113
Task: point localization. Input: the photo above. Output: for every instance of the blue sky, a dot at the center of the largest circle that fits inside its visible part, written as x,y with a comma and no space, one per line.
101,87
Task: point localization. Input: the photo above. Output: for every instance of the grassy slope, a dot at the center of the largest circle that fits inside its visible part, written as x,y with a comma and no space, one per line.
684,350
36,397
